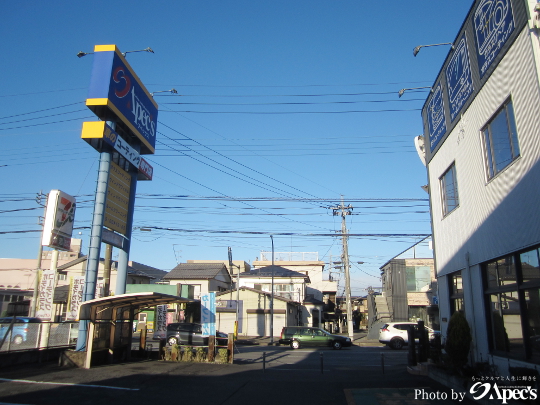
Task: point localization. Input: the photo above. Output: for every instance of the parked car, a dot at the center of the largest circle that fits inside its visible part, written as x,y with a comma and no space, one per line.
21,331
299,336
394,334
191,334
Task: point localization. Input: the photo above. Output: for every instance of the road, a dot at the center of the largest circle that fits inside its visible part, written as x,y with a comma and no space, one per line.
349,376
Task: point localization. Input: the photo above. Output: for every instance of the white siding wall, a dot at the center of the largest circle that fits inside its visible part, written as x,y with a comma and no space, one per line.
487,224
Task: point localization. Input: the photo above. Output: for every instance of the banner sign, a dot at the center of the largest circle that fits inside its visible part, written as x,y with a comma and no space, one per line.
146,171
112,238
75,298
160,331
493,24
99,130
46,295
116,208
116,89
458,78
435,117
208,314
59,217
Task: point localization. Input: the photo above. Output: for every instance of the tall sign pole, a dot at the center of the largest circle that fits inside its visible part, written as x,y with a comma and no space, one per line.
127,130
344,211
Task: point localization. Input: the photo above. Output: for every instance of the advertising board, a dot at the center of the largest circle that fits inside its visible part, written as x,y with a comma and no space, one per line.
75,298
493,24
59,217
95,130
46,293
435,117
116,208
208,314
116,91
458,78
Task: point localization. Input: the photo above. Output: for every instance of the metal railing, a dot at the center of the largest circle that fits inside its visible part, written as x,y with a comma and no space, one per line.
26,336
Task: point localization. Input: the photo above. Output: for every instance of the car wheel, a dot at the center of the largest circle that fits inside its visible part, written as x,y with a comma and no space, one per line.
397,343
337,345
295,344
18,340
172,341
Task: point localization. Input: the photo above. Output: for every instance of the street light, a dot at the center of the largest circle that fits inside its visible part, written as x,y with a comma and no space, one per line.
417,49
412,88
80,54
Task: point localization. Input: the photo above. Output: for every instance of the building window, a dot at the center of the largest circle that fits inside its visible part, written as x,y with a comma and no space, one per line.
450,198
512,296
455,282
500,140
418,278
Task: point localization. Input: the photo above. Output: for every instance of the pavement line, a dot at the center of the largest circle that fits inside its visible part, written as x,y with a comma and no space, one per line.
9,403
69,384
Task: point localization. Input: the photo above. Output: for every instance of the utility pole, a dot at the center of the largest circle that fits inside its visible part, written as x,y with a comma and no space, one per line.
344,211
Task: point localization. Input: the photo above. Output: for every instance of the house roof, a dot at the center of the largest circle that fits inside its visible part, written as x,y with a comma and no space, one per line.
190,271
268,294
278,271
131,270
151,271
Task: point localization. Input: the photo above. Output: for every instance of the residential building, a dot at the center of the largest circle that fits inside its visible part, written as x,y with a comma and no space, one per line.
482,151
319,297
410,291
254,312
198,278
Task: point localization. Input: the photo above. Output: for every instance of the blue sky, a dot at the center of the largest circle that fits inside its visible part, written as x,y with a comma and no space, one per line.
282,108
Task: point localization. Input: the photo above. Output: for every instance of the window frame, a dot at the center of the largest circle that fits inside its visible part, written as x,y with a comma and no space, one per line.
518,289
443,186
486,133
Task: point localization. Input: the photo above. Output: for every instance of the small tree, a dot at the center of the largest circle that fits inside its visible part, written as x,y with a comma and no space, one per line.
458,340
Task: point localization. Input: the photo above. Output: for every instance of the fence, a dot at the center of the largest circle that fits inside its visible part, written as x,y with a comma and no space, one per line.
25,335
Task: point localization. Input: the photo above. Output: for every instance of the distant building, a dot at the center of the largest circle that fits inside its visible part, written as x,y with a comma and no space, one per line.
319,297
410,291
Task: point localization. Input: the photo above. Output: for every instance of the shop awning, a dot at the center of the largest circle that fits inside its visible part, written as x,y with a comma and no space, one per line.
89,309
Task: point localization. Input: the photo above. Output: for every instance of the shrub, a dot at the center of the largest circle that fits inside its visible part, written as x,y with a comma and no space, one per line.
223,356
200,355
188,353
458,340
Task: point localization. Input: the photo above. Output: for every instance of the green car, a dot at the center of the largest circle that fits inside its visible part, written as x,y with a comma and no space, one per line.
299,336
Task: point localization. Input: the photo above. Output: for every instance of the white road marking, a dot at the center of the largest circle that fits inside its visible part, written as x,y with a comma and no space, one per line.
69,384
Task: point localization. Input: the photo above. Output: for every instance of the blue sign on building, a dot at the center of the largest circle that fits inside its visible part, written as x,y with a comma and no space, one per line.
493,24
458,78
435,117
208,314
115,90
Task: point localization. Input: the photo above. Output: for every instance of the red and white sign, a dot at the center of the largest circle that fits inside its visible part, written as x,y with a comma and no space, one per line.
59,217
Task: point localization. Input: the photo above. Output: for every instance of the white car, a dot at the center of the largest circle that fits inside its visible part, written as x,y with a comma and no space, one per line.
394,334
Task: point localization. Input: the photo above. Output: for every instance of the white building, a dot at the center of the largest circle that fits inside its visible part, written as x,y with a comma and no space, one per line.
482,150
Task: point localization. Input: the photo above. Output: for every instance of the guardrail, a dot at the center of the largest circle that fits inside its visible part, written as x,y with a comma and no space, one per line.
19,336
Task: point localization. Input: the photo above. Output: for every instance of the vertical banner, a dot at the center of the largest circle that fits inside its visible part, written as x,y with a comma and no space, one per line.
208,314
99,289
75,298
46,295
160,330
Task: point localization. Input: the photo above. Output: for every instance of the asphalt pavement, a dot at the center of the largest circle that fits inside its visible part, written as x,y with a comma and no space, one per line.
261,374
